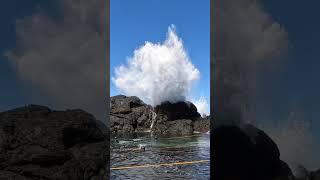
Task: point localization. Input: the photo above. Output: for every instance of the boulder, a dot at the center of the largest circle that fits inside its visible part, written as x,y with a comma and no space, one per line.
129,115
178,110
38,143
246,153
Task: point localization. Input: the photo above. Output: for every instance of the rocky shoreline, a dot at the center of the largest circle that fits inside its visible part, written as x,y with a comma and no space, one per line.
38,143
132,115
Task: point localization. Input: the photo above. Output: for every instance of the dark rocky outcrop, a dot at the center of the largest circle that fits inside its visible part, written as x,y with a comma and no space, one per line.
315,175
129,115
132,115
38,143
178,110
246,153
179,119
181,127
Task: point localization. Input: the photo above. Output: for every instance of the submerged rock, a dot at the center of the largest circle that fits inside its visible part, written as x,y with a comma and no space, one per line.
38,143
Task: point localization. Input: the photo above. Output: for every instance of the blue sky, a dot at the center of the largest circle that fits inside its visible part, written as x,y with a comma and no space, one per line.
134,22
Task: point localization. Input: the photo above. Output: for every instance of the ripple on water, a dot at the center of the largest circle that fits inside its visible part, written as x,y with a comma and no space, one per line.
161,151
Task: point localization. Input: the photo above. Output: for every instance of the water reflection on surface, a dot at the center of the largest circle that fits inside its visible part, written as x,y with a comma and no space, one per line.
158,151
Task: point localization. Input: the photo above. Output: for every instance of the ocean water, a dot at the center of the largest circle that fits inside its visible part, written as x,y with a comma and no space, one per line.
160,153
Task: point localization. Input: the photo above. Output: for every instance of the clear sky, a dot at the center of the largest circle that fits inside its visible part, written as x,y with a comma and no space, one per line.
134,22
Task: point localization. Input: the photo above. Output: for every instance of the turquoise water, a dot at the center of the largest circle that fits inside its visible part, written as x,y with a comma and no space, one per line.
158,151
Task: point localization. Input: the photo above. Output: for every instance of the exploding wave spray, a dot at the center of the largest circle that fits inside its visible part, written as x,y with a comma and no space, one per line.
202,106
59,58
158,72
295,141
250,40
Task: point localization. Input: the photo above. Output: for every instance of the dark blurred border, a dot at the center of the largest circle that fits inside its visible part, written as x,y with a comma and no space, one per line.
213,29
105,7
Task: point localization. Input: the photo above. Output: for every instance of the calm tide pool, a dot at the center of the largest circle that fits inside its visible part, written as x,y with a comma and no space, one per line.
161,151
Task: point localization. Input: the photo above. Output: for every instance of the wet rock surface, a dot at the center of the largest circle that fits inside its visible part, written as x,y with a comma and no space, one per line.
38,143
132,115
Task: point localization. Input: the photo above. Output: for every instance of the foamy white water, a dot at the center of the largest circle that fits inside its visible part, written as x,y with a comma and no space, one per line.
158,72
